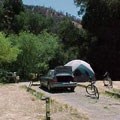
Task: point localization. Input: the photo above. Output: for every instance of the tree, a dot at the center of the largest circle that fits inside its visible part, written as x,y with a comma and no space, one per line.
36,53
33,22
1,13
37,23
10,9
8,52
102,19
68,32
75,40
21,22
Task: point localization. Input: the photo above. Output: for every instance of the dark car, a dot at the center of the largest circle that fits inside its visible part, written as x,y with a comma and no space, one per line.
60,77
10,76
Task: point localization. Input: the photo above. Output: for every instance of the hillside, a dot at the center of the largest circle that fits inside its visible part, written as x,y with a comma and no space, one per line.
52,13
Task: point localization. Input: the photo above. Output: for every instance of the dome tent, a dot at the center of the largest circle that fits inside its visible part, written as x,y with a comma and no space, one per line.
81,69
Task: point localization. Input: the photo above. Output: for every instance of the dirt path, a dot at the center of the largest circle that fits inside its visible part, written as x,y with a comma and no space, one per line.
17,104
106,108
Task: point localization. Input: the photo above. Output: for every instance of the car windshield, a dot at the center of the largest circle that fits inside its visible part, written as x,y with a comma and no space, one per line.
50,73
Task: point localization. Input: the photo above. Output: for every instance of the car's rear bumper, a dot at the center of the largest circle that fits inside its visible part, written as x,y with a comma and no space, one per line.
64,85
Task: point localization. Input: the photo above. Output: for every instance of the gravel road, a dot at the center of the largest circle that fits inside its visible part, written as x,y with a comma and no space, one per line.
106,108
17,104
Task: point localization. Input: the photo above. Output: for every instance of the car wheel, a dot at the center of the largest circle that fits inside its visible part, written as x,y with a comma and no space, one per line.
41,85
72,89
49,87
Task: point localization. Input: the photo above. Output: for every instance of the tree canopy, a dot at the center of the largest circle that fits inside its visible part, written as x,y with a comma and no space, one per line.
102,19
36,51
10,8
40,38
8,52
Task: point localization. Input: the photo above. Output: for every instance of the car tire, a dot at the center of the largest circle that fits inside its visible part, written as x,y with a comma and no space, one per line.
49,87
41,85
72,89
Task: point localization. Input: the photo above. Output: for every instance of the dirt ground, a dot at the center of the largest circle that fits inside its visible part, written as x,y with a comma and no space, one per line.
102,88
18,104
107,107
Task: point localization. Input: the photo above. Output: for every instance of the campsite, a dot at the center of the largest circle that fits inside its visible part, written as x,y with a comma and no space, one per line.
59,60
65,105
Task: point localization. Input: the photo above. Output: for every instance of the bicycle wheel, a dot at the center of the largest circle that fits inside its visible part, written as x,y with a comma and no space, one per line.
106,82
96,92
91,90
110,82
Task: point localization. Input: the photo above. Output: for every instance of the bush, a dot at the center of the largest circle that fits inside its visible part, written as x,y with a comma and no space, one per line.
5,78
32,76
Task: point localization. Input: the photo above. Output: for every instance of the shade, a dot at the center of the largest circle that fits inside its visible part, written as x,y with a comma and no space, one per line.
81,67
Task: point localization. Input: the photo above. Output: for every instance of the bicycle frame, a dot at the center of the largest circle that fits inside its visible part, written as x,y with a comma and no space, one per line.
91,89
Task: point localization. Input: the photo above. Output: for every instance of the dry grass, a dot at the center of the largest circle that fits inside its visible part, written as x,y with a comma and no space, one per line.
60,111
17,104
65,112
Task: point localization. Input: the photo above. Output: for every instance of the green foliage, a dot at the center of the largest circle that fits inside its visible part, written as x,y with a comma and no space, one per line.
75,41
68,32
97,42
33,22
32,76
102,20
37,51
40,48
13,5
9,10
8,53
3,80
49,44
2,76
21,22
36,23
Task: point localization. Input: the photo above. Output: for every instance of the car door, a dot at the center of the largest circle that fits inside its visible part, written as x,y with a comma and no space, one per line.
48,77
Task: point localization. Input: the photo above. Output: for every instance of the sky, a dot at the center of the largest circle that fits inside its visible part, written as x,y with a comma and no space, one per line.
58,5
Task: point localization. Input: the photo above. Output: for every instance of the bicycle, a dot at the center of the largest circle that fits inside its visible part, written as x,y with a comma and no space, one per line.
91,89
107,81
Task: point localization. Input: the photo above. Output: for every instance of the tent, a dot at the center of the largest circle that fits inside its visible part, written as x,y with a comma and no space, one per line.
81,70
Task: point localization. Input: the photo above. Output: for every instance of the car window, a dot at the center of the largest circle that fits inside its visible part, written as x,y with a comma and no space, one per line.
50,73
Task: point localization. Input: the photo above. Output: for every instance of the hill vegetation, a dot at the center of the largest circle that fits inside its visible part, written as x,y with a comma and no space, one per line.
43,38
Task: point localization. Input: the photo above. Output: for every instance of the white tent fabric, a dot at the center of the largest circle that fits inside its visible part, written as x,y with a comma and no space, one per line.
76,63
83,67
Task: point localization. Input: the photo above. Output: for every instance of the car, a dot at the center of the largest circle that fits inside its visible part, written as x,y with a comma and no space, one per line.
12,77
60,77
